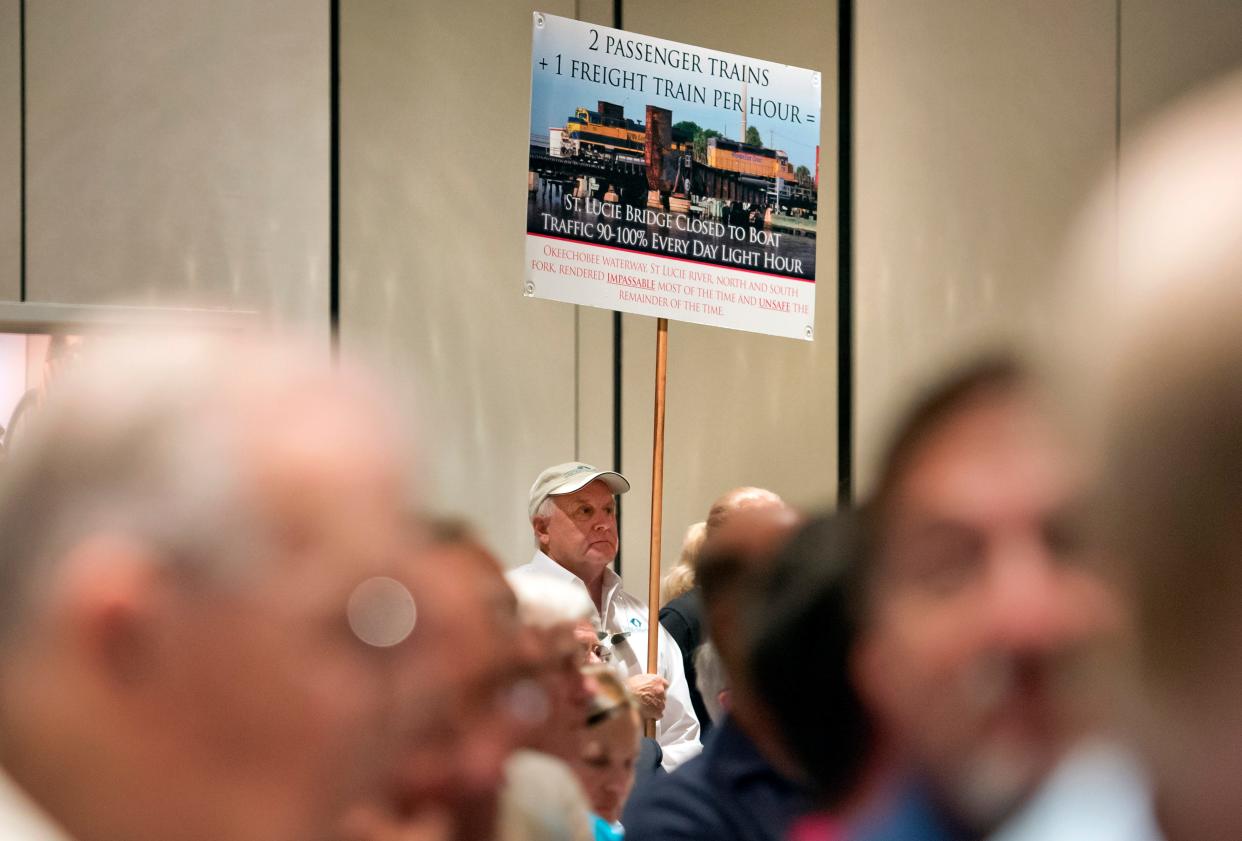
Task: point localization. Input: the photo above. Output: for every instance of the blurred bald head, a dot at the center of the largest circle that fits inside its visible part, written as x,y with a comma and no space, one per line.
745,529
1161,382
202,592
731,502
189,445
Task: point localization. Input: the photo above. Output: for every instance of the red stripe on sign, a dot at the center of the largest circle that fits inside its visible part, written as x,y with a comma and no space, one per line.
666,257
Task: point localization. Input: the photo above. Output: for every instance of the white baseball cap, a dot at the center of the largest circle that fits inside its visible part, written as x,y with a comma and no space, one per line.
569,477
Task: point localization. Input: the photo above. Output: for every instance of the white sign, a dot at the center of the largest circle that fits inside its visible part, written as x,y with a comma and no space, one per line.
671,181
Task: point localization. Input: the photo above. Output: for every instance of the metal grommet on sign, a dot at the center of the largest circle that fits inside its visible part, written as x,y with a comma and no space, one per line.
529,289
810,332
538,21
815,82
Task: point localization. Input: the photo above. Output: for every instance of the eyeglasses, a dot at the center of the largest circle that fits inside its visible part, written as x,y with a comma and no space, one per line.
612,639
607,642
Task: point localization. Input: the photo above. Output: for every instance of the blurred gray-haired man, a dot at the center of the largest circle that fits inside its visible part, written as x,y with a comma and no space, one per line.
200,597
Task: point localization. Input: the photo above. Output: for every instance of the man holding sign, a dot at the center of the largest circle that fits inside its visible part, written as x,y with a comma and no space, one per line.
573,514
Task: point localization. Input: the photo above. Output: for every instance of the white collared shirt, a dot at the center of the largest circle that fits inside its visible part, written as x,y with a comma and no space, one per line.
1098,792
678,731
21,819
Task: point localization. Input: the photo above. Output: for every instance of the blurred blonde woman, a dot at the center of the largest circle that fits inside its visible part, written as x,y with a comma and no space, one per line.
681,579
609,751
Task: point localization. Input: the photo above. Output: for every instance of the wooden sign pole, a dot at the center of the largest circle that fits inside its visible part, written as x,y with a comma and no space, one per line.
657,506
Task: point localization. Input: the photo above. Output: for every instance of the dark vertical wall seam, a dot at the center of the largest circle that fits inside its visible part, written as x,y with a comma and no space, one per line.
616,361
21,200
334,174
1117,136
845,253
577,340
577,382
616,416
1117,112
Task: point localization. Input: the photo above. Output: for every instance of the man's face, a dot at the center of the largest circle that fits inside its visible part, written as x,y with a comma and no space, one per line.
462,719
281,714
581,532
588,639
568,691
977,603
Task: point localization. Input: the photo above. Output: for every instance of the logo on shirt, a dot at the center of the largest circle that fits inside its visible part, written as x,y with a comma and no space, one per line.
636,622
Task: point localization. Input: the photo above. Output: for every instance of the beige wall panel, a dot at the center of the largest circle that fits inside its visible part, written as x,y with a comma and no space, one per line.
435,99
742,408
593,442
979,125
179,152
10,150
1169,46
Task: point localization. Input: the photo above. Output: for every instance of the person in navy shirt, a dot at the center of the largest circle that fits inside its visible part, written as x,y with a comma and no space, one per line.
733,790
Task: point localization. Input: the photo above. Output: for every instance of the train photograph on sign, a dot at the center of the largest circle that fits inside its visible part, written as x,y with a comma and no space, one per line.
603,155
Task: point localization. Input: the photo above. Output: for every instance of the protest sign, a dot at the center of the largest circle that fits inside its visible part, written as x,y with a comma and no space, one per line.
670,180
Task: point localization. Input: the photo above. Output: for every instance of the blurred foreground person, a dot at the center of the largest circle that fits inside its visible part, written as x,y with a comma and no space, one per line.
682,615
738,787
1165,408
542,798
472,696
804,633
976,608
609,753
572,510
552,612
204,598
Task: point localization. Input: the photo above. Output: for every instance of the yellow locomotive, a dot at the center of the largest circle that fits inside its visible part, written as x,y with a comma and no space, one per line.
744,159
605,131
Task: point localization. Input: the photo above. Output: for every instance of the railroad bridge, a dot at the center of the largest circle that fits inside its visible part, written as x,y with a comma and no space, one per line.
629,178
664,170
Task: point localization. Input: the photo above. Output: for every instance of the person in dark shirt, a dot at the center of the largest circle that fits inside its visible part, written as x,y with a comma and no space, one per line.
737,788
682,616
730,791
683,619
808,613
